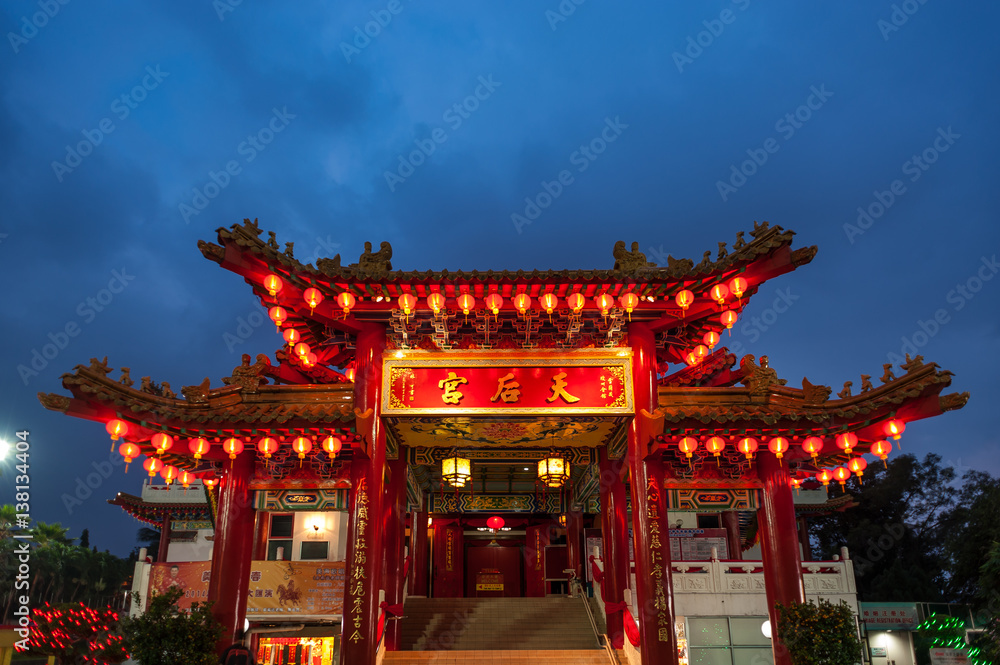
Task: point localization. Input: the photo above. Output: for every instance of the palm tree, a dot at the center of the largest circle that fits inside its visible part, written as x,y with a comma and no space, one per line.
43,534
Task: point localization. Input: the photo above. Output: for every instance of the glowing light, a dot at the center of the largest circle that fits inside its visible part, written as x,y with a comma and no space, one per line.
496,523
813,445
549,301
846,441
719,293
313,298
604,302
728,319
332,445
841,474
522,301
116,428
162,442
576,302
494,301
715,445
302,349
629,301
824,476
882,449
292,336
278,315
778,445
129,451
346,300
267,446
711,338
894,428
407,303
553,471
738,286
199,446
302,445
688,445
748,446
273,284
466,302
168,473
857,465
436,302
152,465
684,299
232,446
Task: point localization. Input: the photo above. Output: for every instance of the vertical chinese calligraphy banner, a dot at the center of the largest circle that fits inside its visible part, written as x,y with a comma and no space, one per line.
426,383
534,560
449,558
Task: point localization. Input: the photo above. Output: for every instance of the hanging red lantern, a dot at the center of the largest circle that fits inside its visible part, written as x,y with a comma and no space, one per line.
273,284
684,299
313,297
857,465
168,473
278,315
117,428
813,445
715,445
349,373
719,293
332,445
882,449
232,446
841,474
692,359
778,445
407,303
701,351
162,442
129,451
466,303
748,446
209,479
494,301
824,476
796,483
604,303
302,349
152,465
629,301
738,286
894,428
496,522
522,301
310,359
436,302
688,445
346,300
711,338
728,319
199,446
291,336
576,302
302,445
267,446
846,441
549,301
185,479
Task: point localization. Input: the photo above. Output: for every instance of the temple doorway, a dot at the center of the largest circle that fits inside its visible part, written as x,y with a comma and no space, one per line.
493,568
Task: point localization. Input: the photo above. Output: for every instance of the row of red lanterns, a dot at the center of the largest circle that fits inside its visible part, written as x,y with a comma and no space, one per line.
233,446
711,338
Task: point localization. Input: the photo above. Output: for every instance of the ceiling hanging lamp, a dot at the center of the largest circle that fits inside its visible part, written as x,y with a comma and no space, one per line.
553,470
456,470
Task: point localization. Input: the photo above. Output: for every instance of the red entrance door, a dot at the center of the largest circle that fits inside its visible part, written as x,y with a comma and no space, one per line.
481,562
448,559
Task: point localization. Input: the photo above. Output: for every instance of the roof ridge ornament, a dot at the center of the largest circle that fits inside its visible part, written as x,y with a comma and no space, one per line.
630,262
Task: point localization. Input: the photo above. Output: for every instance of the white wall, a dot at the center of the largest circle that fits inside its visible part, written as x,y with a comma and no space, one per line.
332,528
199,550
898,646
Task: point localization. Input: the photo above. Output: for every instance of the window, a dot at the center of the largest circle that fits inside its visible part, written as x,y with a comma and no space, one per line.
284,545
728,641
712,521
280,537
282,526
314,551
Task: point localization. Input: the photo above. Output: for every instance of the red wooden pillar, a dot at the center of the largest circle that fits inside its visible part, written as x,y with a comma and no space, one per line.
731,522
260,538
418,554
364,545
779,544
394,530
653,573
232,552
614,533
574,540
161,552
804,539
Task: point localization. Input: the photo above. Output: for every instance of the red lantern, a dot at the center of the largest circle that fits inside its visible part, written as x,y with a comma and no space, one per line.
813,445
629,301
349,373
715,445
894,428
232,446
778,445
466,302
168,473
857,465
310,359
882,449
302,445
436,302
278,315
701,351
684,299
267,446
719,293
688,445
728,319
711,338
824,476
162,442
313,297
841,474
604,303
210,480
273,284
407,303
496,523
549,301
576,302
129,451
796,483
738,286
292,336
332,446
748,446
846,441
522,301
692,359
494,301
302,349
116,428
199,446
152,465
185,479
346,300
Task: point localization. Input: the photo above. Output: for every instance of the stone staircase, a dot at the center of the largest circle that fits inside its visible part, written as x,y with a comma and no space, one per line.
517,630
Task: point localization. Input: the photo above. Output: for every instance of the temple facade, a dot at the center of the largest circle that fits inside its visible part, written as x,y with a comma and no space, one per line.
457,435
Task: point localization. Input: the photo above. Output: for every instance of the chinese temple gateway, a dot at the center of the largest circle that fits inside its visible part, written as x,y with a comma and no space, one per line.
527,420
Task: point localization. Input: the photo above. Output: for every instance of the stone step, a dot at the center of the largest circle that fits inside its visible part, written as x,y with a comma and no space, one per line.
512,657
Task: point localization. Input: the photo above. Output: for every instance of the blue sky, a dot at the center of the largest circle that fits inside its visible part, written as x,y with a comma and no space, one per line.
835,102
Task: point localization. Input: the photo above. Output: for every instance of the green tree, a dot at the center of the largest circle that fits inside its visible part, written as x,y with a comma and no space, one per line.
165,635
823,634
971,529
85,538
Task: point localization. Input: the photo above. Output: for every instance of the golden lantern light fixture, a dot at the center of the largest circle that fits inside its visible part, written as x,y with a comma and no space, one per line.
563,520
302,445
553,470
273,284
456,470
